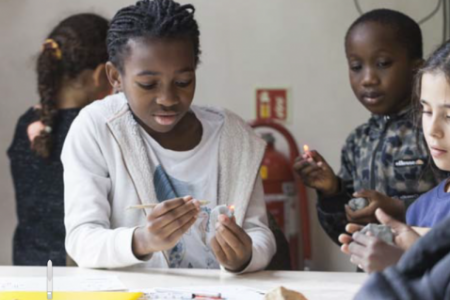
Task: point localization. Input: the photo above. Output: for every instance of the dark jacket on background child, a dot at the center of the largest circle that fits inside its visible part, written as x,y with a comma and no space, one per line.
387,154
38,183
422,273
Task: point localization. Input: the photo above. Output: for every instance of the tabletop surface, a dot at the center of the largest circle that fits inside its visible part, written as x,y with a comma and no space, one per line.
314,285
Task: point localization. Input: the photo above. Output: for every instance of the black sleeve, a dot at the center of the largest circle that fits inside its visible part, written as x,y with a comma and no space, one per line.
20,140
331,212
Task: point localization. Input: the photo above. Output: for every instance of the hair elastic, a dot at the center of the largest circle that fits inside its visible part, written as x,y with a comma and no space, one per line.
51,44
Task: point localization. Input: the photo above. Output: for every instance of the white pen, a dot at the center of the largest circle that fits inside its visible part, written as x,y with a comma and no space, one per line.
49,280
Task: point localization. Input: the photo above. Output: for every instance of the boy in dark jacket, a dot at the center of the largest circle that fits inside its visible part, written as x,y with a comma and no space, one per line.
384,160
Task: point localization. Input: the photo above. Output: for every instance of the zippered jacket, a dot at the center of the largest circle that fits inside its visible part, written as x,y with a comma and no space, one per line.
387,154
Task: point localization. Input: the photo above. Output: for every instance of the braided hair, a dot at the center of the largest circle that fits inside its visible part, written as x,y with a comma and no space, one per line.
159,19
407,30
74,45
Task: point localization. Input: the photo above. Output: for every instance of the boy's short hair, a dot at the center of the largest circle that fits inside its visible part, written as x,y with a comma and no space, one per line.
407,30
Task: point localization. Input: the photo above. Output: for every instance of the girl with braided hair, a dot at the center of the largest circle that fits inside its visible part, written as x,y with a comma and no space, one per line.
148,145
71,74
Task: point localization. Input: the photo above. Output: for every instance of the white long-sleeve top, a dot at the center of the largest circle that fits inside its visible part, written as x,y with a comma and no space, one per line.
107,168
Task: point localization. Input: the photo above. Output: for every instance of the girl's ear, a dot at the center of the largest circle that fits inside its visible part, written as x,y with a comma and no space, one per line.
114,77
99,75
101,81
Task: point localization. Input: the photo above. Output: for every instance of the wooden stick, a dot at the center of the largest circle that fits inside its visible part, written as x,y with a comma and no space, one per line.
152,205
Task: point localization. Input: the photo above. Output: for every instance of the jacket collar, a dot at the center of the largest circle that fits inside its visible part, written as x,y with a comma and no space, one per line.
380,121
126,131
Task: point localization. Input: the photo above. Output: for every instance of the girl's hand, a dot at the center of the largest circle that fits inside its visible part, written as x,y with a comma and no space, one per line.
346,239
372,254
166,223
232,246
377,200
316,173
404,236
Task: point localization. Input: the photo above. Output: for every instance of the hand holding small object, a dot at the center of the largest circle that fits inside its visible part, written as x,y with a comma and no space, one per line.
231,245
316,173
166,224
373,254
392,206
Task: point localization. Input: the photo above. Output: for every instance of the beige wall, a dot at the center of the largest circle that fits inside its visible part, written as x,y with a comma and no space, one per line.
245,43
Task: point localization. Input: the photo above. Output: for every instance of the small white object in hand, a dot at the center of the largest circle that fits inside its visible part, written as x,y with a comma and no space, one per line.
216,211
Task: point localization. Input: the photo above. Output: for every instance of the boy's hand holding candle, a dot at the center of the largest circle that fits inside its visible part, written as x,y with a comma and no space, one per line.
316,173
232,246
166,224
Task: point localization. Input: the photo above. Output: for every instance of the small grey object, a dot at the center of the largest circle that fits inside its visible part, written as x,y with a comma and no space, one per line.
358,203
383,232
215,212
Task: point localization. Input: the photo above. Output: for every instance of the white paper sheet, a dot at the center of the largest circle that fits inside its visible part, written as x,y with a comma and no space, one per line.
64,283
229,292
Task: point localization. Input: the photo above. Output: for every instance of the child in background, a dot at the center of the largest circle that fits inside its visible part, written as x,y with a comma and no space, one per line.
432,86
71,74
149,145
384,160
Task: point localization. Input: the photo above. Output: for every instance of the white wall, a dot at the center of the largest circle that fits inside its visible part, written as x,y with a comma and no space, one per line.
245,43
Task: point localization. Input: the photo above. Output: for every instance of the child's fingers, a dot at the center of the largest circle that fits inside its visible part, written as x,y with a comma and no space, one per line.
362,239
176,235
231,239
316,156
301,165
230,254
236,230
386,219
169,205
309,171
356,249
359,216
344,238
357,260
165,219
344,249
352,228
315,174
178,223
218,252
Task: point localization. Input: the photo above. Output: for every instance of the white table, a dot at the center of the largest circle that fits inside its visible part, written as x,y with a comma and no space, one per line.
314,285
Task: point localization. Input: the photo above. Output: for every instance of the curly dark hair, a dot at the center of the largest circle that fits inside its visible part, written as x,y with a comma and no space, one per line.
161,19
76,44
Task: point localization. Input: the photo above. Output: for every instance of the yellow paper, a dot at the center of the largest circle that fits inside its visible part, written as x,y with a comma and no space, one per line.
70,296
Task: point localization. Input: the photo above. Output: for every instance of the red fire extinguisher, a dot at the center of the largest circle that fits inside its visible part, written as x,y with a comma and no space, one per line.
285,194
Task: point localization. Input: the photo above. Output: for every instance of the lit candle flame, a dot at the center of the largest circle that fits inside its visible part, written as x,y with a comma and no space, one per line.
305,148
231,211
